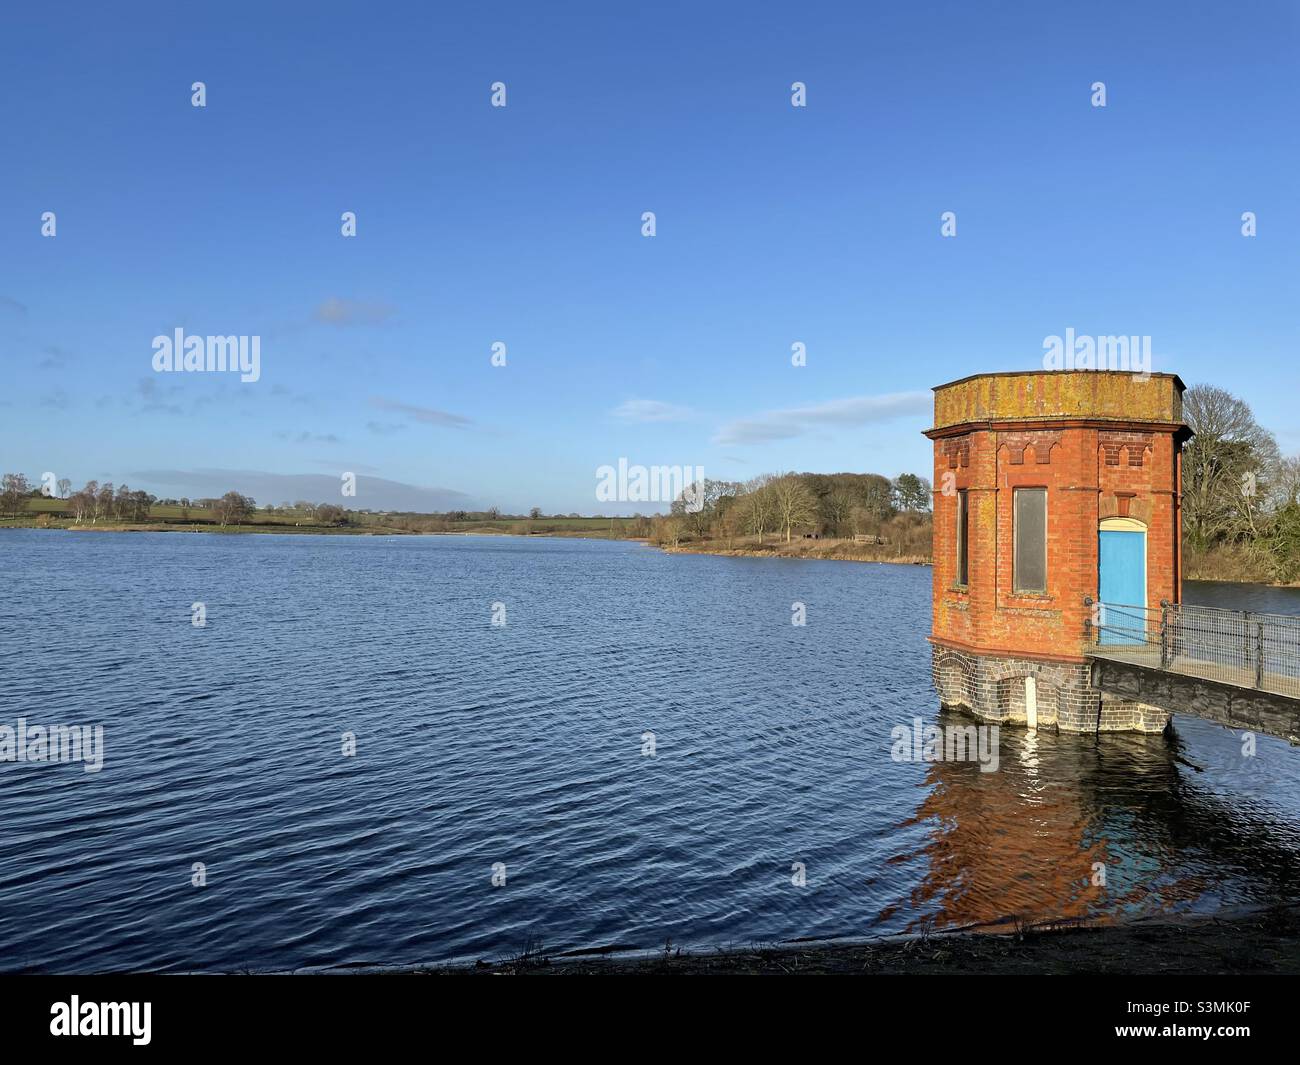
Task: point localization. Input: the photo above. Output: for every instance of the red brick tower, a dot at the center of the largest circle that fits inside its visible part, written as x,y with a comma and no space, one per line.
1053,489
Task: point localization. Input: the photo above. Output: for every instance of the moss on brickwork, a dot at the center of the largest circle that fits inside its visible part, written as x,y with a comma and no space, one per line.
1090,394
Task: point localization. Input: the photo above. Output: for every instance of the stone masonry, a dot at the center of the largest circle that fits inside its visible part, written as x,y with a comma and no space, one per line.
993,689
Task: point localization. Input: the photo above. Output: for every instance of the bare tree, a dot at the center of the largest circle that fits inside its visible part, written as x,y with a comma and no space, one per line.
14,488
700,503
138,505
729,522
878,496
103,503
1286,482
795,503
83,502
1226,466
665,529
233,508
758,507
837,506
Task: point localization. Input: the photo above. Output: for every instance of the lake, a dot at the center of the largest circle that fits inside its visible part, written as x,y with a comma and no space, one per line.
520,752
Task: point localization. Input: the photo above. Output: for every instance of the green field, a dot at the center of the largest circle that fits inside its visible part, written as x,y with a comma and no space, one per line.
43,505
44,512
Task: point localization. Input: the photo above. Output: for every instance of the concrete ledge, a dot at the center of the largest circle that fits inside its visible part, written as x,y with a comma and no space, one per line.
1225,704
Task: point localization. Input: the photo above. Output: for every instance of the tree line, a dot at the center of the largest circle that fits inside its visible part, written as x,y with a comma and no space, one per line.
1241,495
771,506
781,506
91,504
97,502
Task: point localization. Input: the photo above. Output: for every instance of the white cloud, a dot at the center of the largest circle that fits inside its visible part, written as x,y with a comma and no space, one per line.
651,410
422,414
852,411
337,311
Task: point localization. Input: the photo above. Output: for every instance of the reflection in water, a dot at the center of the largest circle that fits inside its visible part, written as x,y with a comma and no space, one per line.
523,744
1034,839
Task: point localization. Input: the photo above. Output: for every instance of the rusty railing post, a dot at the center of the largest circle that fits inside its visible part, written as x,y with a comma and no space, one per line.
1259,654
1164,633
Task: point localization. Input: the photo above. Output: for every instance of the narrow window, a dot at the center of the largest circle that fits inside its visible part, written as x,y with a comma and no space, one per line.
963,524
1029,526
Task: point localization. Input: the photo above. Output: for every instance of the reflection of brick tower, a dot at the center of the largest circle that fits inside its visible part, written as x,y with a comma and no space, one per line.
989,854
1051,489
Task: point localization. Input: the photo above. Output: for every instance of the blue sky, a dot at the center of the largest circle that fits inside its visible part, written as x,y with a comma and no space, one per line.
522,224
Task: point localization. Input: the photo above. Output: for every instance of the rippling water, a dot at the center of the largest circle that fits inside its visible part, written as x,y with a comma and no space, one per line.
522,744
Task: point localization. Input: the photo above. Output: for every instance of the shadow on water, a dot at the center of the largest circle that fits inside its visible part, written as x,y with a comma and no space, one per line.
1104,828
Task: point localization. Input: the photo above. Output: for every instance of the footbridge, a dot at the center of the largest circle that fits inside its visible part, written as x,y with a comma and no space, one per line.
1233,667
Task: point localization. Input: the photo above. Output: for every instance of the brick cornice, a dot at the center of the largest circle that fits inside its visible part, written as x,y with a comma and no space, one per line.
960,428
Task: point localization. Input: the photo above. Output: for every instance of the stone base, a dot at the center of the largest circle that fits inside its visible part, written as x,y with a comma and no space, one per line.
994,690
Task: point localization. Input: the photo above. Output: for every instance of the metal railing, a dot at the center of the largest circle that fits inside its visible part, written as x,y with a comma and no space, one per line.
1236,647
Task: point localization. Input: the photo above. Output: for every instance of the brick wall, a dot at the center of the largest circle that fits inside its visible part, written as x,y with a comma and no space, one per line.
1070,438
1090,472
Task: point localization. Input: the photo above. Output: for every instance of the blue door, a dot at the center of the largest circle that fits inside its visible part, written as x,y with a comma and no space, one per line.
1122,585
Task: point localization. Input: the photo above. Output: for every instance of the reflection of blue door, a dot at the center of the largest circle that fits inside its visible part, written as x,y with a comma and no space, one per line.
1122,583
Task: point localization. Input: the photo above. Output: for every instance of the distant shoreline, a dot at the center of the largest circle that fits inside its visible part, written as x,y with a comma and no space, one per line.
281,529
268,528
829,550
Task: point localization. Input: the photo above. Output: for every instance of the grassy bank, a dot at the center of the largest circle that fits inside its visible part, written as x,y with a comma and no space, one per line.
842,550
1261,942
1240,563
53,514
200,526
233,529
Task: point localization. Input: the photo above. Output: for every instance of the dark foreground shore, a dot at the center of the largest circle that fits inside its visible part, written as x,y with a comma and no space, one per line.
1261,942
